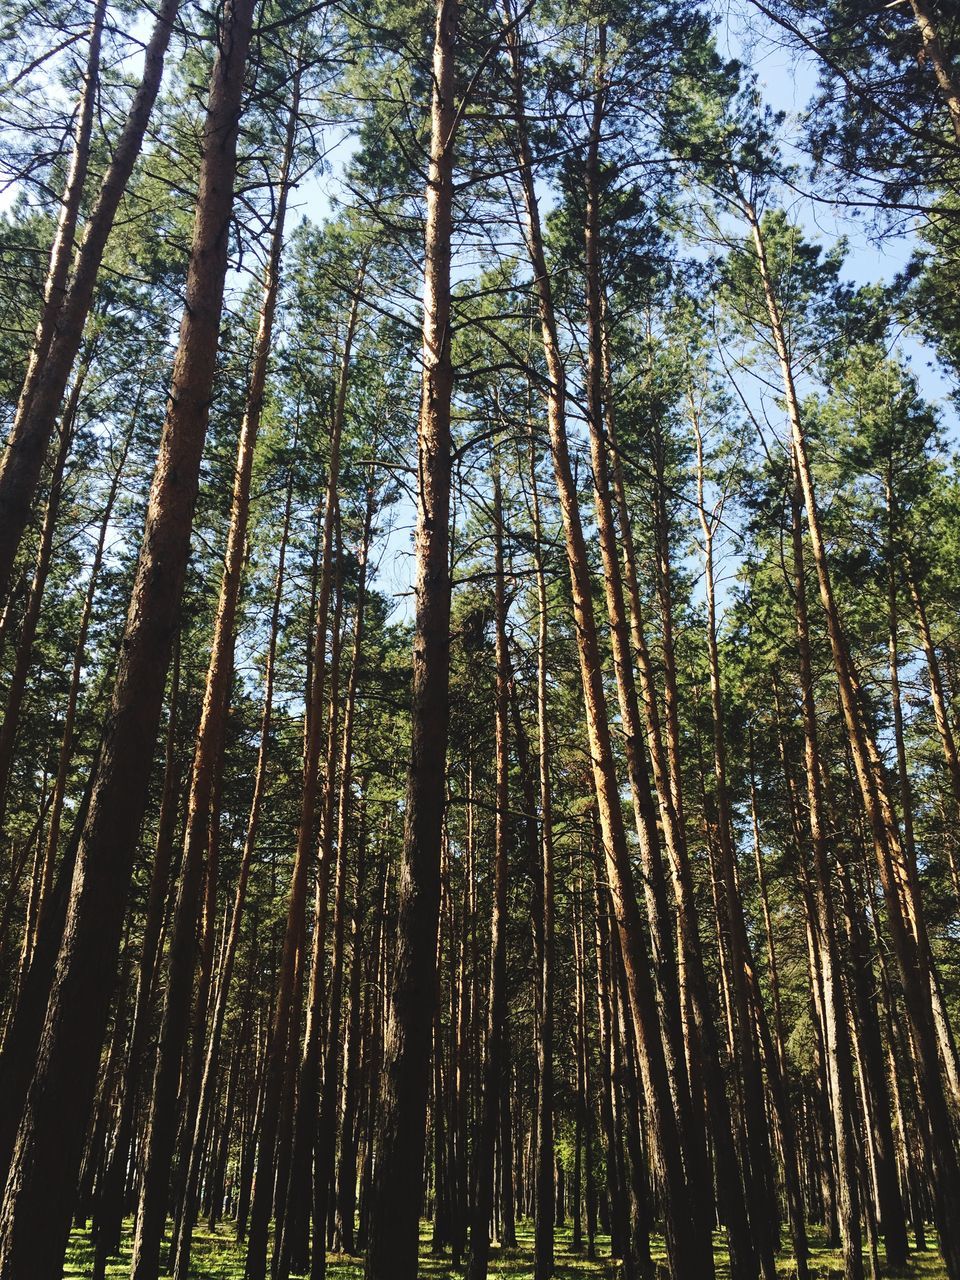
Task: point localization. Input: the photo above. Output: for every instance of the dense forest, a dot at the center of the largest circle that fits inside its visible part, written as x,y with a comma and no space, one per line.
479,639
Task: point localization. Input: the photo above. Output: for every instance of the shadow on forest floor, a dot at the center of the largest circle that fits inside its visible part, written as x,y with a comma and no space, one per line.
216,1256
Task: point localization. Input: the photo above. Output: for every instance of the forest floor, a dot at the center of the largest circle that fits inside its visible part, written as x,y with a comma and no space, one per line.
216,1256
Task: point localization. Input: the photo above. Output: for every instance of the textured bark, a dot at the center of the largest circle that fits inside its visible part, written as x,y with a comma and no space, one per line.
948,80
393,1229
41,396
41,1185
689,1120
761,1188
31,616
281,1046
58,793
544,1197
702,1046
327,1121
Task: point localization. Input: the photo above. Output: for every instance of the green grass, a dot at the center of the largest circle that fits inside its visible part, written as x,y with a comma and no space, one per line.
217,1257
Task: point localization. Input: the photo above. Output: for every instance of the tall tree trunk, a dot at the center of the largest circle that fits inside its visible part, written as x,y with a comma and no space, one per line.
279,1062
109,1206
661,925
327,1121
58,794
41,1185
689,1249
61,250
497,1000
394,1221
744,1044
900,889
207,760
211,1064
703,1050
31,617
544,1197
837,1049
42,394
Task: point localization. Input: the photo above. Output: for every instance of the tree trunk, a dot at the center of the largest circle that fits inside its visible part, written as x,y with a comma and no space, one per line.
211,1064
394,1221
61,250
900,889
494,1063
41,396
744,1042
41,1185
280,1046
689,1249
207,760
836,1034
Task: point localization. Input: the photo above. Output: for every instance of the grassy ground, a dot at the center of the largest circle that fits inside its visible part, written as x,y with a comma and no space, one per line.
216,1257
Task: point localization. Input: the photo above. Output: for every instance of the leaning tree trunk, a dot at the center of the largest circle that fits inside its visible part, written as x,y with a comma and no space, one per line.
41,1185
40,398
948,80
395,1210
61,250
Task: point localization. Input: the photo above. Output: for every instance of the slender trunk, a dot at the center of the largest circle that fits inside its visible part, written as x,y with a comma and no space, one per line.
207,760
947,78
702,1046
326,1125
279,1061
211,1064
31,617
744,1043
393,1229
58,794
40,399
689,1249
898,878
544,1199
61,250
837,1048
497,1000
661,926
